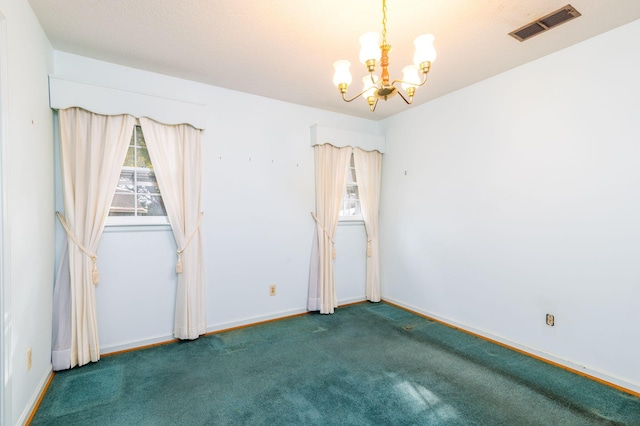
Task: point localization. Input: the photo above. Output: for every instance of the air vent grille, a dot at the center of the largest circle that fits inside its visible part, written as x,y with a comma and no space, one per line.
545,23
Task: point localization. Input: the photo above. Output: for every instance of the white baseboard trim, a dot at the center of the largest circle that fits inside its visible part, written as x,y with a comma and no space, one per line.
137,344
29,409
571,365
351,301
255,320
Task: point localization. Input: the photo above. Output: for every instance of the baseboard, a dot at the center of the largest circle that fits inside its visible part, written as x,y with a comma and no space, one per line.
351,301
273,317
34,402
217,328
135,344
246,322
575,367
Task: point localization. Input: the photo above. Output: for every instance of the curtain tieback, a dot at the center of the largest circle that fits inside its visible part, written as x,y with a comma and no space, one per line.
334,254
368,248
95,274
179,251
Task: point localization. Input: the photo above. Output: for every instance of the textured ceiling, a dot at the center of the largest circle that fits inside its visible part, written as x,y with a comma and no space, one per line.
285,49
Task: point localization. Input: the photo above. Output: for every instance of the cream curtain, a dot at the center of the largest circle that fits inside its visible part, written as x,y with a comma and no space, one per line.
368,171
175,154
331,178
92,150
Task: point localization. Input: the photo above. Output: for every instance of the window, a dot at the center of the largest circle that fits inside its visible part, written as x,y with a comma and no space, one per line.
350,209
137,199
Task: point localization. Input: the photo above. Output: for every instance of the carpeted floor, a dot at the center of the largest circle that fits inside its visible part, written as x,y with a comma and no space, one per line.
368,364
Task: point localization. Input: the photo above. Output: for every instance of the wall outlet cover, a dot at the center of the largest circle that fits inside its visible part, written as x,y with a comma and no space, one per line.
550,320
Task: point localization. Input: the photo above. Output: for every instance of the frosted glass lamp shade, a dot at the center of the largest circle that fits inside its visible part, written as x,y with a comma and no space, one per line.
342,73
425,52
410,77
369,87
369,47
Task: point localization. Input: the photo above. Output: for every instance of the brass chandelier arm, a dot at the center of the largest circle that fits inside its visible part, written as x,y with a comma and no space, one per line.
344,98
424,80
408,101
344,92
411,91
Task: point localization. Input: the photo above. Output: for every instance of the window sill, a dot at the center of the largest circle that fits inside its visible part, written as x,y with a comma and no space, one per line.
136,220
351,222
137,227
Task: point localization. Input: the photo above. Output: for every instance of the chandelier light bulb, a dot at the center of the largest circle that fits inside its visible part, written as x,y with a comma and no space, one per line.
369,47
342,74
410,77
369,87
425,52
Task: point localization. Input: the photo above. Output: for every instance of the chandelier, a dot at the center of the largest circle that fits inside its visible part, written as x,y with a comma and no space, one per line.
376,88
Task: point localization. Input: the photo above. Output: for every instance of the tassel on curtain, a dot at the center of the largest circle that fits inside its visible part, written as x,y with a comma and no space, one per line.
181,250
334,253
95,274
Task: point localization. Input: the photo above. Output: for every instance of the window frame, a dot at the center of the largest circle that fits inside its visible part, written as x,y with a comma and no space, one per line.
352,218
135,220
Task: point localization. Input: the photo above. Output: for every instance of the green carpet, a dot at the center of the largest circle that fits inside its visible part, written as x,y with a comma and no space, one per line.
368,364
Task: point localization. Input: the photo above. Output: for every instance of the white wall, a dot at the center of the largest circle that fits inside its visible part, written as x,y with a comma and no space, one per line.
29,236
522,197
258,192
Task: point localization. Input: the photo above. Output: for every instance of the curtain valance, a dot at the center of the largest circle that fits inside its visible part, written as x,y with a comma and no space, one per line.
65,93
321,135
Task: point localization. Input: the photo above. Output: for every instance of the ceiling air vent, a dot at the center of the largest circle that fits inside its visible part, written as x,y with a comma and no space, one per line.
545,23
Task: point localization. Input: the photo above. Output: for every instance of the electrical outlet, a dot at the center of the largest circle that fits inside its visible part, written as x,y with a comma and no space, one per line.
28,358
272,290
550,320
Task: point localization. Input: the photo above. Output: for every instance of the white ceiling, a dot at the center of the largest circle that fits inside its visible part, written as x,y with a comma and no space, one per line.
285,49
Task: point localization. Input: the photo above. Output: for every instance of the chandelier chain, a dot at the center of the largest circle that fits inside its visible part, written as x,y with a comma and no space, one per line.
384,22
